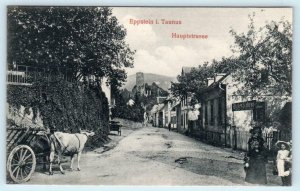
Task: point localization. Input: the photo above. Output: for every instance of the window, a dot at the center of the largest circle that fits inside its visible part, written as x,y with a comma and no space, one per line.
184,121
211,112
220,111
264,75
206,114
259,113
181,120
187,118
200,120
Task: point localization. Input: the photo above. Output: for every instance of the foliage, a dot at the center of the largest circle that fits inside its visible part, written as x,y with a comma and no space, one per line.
125,111
195,82
265,62
149,100
64,106
78,42
142,102
81,41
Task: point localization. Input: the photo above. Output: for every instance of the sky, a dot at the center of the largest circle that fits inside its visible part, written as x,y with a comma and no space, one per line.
157,52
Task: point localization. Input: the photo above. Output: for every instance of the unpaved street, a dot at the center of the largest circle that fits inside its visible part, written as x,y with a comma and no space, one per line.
154,156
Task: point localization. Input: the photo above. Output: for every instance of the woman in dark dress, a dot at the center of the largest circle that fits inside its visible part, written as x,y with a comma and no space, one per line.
256,159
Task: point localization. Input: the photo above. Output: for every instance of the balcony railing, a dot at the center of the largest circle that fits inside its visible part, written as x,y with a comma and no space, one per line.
26,75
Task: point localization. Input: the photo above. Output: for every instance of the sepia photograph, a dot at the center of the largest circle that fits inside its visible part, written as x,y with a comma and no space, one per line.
149,96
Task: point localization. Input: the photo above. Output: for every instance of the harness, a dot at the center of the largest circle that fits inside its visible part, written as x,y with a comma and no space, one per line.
78,142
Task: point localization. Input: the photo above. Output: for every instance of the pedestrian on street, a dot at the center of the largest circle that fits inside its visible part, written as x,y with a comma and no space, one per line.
145,122
169,126
283,162
256,158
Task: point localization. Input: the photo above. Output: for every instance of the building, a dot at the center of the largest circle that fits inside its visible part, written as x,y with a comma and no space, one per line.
227,116
158,112
170,111
185,106
214,119
175,113
165,112
159,115
184,109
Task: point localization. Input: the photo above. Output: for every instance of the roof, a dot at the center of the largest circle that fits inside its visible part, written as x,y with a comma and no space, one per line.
176,104
154,109
160,106
160,99
169,98
215,84
157,108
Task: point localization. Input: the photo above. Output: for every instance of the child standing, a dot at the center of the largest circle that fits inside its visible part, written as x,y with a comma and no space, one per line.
282,159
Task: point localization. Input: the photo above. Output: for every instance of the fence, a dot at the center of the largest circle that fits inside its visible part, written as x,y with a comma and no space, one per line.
26,75
211,137
239,139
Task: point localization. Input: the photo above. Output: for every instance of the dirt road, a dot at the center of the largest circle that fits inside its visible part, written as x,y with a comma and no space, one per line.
154,156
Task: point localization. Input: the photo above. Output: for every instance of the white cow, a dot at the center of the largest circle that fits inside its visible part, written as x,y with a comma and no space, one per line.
67,144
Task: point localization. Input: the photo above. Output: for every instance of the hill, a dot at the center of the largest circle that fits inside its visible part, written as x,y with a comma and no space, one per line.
161,80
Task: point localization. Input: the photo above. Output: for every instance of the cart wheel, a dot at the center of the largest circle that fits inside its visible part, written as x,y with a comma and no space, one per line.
21,163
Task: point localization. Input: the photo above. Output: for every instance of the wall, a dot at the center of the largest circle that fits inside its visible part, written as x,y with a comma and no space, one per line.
178,118
244,119
211,101
214,131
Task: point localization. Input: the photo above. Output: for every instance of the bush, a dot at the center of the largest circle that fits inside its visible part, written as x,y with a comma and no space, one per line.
133,113
64,106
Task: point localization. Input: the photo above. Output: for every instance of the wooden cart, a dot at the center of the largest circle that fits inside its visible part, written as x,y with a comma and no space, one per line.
115,126
21,158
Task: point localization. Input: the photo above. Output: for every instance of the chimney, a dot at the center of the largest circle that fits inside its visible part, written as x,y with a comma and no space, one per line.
219,76
210,81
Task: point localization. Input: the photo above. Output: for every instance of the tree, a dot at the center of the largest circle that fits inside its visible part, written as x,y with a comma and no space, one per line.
80,41
123,110
194,83
77,41
265,61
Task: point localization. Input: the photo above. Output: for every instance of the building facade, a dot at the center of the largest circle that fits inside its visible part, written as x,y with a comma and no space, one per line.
227,116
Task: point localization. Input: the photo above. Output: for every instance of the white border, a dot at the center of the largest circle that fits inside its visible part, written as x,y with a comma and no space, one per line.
253,3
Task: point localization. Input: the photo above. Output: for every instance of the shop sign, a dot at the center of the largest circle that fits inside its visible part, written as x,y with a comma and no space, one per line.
248,105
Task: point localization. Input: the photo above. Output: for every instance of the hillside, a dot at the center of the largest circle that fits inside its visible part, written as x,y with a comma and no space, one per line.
161,80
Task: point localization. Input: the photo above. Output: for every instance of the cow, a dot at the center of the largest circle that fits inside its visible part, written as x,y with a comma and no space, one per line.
67,144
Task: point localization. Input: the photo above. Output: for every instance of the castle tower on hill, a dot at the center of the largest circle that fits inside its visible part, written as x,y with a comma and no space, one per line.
140,82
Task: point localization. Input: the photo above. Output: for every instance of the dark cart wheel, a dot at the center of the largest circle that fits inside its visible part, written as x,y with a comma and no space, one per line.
21,163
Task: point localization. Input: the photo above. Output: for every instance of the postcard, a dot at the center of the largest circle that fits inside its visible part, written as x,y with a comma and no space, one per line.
154,96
